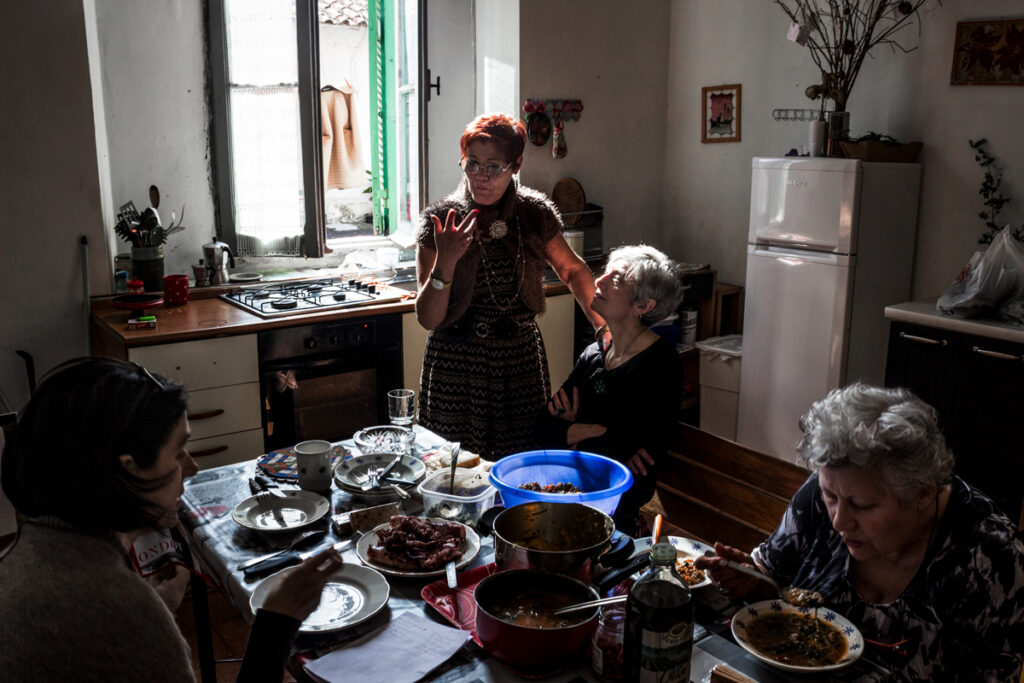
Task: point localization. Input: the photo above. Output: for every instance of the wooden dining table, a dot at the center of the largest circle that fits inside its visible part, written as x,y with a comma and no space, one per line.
217,544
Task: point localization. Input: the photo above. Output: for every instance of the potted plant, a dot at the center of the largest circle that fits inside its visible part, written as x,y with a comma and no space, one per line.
839,34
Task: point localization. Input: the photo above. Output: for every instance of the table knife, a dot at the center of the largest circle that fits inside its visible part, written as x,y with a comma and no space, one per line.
286,560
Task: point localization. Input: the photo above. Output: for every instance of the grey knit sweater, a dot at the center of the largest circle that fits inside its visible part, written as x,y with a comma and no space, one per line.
71,609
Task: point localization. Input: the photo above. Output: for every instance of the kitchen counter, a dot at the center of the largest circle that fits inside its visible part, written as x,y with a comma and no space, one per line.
925,313
207,315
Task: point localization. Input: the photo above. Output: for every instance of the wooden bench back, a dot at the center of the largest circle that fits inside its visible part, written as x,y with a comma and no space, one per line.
717,490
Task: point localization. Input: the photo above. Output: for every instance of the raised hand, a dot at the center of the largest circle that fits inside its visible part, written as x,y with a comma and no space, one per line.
451,240
729,581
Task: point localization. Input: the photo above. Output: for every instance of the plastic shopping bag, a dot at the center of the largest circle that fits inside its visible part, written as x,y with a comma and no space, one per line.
989,278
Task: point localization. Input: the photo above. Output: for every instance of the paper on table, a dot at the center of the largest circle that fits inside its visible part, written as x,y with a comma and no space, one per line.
402,652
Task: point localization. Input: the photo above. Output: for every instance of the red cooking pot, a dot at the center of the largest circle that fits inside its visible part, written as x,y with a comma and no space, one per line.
514,619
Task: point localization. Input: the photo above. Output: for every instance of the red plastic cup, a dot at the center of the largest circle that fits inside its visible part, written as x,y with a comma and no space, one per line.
175,290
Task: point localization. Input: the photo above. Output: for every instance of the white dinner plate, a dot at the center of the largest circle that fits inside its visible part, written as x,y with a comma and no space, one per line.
685,548
353,594
470,548
297,509
854,640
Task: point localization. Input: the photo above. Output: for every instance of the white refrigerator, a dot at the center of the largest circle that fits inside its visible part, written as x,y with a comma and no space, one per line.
831,244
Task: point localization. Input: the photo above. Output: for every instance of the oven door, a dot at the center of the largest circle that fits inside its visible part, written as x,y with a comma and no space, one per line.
327,396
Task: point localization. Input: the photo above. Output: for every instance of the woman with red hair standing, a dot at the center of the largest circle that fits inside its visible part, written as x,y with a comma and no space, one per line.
481,256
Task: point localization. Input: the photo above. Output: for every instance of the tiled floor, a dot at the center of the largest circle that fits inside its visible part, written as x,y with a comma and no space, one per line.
230,632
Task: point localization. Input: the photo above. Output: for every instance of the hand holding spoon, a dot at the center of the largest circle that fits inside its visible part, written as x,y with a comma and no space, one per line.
800,597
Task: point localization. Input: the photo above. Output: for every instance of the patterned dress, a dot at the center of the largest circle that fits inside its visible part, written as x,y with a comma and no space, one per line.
962,616
485,379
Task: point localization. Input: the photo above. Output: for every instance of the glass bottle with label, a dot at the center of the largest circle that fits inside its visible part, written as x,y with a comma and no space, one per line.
659,623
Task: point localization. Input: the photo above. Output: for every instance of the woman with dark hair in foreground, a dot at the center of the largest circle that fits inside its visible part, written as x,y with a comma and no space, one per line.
98,457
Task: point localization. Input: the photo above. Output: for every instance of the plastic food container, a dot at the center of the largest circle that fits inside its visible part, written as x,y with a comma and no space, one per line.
602,480
472,496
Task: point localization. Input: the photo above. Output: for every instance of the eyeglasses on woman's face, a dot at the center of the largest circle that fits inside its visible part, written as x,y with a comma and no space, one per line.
471,167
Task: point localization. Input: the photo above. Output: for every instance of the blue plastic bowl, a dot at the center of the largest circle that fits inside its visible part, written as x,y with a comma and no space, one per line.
602,480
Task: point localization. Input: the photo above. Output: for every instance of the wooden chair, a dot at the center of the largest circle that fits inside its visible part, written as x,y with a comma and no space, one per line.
714,489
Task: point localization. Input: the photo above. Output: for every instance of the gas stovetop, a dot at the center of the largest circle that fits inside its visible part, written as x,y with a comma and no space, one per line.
288,298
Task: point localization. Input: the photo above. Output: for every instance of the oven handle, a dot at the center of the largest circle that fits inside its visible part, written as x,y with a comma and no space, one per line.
299,364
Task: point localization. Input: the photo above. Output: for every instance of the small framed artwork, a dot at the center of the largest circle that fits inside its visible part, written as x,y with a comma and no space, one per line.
720,113
989,53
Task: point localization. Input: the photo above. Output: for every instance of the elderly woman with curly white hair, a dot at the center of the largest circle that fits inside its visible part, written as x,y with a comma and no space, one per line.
622,400
926,566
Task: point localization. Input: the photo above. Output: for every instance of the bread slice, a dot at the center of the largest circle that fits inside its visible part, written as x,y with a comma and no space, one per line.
442,459
368,518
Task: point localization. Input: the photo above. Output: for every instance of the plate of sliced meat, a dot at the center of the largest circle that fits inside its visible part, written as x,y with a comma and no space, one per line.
417,547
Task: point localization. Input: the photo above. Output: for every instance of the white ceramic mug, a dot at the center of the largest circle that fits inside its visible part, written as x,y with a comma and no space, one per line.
313,462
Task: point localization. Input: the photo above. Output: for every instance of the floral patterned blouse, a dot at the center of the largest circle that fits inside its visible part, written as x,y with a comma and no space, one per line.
962,616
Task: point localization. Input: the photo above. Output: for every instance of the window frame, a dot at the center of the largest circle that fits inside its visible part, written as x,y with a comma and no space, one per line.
383,131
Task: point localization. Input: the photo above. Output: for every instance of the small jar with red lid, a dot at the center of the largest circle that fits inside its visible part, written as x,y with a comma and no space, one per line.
607,646
136,286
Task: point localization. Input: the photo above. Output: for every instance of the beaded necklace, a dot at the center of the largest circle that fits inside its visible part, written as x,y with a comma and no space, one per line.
489,271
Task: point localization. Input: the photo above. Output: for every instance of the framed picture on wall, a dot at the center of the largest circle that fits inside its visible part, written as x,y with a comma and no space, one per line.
720,113
988,53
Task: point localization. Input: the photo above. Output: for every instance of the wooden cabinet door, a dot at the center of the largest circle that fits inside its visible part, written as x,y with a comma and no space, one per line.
923,359
989,441
556,327
414,341
204,363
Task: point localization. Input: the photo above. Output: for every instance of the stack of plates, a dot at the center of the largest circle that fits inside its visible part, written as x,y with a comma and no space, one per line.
350,475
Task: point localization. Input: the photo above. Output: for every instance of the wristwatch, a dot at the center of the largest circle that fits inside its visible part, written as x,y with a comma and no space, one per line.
437,283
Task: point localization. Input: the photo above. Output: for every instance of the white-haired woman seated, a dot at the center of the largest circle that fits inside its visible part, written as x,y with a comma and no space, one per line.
622,401
926,566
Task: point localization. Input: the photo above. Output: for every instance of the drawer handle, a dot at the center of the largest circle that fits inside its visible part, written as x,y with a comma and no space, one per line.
923,340
208,451
205,416
996,354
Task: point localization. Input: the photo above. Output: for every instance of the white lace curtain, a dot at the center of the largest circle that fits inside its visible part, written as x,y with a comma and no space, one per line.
265,138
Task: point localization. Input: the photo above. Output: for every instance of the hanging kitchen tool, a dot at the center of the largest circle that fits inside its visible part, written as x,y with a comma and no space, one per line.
538,128
558,147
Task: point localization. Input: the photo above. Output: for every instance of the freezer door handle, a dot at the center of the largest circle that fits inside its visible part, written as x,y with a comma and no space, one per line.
926,340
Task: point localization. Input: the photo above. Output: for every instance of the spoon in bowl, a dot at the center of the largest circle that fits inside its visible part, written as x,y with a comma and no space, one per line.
799,597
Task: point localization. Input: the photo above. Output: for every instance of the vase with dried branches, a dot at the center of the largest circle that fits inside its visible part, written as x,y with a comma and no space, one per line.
841,33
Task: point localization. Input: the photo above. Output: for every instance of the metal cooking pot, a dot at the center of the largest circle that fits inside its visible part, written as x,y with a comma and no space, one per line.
533,650
566,538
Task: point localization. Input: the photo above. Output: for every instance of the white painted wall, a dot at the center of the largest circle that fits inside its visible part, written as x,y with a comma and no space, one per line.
908,96
450,57
152,60
49,188
497,56
614,57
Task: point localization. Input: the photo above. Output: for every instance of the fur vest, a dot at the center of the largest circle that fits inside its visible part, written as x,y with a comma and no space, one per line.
521,208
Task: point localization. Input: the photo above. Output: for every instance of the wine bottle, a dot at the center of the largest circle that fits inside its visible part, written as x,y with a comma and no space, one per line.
659,623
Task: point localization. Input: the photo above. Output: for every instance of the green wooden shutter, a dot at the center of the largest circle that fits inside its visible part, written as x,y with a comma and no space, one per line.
383,98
